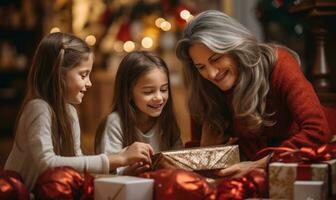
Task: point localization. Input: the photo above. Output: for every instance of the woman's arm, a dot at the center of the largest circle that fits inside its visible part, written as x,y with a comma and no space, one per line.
306,111
240,169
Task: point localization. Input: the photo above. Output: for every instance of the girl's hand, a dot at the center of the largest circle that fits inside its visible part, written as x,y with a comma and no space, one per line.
136,169
137,152
241,169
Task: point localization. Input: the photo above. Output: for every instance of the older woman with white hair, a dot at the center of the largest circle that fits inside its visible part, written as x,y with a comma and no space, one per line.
253,92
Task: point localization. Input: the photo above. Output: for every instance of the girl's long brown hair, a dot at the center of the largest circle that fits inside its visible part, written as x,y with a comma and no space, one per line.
131,68
56,54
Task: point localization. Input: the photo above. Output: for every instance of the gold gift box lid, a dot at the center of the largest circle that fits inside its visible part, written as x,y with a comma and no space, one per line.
199,158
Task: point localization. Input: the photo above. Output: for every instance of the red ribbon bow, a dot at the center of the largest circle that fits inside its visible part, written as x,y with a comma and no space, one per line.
303,154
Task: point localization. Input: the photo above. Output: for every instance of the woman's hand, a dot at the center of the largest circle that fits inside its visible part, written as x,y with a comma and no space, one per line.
136,169
241,169
136,152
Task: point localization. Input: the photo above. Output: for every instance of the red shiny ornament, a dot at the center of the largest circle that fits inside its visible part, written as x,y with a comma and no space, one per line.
59,183
253,185
88,187
12,187
180,184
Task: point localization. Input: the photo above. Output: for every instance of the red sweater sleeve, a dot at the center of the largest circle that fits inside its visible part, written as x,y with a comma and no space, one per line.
295,90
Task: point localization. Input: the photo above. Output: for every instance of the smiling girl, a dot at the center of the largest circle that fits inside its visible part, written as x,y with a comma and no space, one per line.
47,130
142,109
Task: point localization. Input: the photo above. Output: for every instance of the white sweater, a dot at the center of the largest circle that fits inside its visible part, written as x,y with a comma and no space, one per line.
33,151
112,138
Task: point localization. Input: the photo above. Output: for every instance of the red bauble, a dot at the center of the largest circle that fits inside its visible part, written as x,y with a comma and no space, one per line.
180,184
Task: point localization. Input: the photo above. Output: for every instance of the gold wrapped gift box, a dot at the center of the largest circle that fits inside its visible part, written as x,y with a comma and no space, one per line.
197,159
283,175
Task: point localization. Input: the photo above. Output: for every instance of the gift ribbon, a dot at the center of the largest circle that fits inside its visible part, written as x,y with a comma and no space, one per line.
304,156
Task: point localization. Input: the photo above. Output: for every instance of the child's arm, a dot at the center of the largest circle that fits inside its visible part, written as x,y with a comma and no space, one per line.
37,119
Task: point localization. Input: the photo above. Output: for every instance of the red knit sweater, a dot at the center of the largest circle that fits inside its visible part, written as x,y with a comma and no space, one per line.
300,120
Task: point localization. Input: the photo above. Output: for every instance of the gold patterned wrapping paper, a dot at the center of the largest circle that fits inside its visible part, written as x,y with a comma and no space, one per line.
283,175
196,159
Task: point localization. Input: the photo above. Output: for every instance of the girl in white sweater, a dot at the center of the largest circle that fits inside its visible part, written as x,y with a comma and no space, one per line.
141,109
47,130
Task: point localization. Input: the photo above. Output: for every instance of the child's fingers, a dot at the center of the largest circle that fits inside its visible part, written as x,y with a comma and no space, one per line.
148,152
150,149
141,169
145,157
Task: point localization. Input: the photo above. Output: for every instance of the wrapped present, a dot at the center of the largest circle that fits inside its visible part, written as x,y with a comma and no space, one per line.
197,159
306,163
283,175
309,190
123,188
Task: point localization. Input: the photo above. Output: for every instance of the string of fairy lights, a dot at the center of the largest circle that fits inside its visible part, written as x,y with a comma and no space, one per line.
146,42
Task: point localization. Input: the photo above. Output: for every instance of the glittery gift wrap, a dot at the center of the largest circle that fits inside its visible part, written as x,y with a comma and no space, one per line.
283,175
196,159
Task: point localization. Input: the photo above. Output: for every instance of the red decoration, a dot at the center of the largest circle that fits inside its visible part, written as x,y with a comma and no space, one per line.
63,183
253,185
88,187
180,184
302,155
124,33
179,21
12,187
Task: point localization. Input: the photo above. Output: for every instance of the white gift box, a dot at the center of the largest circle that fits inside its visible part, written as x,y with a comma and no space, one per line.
309,190
123,188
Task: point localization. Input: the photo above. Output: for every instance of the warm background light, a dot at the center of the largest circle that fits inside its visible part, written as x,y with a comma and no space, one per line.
55,29
165,26
185,14
147,42
90,40
159,21
129,46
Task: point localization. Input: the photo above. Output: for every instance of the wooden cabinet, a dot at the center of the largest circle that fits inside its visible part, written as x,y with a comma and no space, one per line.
321,15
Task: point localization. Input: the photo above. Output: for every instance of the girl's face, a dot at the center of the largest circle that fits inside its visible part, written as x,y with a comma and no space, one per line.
150,93
78,81
220,69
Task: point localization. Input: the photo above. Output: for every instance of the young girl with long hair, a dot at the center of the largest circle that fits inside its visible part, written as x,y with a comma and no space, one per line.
141,109
47,130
